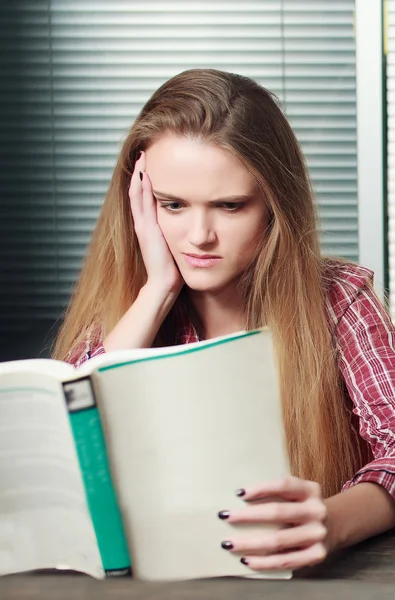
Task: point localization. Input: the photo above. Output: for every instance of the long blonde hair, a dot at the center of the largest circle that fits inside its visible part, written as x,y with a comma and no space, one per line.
284,288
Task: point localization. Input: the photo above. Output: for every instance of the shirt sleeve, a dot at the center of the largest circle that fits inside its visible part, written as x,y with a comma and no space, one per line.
91,346
366,336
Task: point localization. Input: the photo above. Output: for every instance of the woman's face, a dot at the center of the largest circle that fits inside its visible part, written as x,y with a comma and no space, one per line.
208,210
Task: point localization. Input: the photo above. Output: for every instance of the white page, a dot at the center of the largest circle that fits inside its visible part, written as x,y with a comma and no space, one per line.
55,368
185,432
44,519
119,356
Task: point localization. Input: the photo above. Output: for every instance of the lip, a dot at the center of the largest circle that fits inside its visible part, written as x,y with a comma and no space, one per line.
202,260
202,255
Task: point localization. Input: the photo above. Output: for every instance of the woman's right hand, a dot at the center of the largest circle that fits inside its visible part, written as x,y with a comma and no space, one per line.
140,324
162,271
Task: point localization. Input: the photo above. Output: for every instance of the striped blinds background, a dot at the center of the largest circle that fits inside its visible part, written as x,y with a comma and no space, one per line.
75,73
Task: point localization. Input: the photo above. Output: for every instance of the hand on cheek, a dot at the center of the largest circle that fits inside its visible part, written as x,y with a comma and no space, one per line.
300,513
161,269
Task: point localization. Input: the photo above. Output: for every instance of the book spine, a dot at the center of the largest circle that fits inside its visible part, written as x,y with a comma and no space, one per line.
100,493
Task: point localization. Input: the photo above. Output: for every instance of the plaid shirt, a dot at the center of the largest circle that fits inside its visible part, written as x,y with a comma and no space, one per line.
365,343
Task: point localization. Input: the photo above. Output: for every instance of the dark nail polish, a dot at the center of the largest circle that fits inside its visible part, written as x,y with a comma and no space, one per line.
227,545
244,561
240,492
224,514
141,176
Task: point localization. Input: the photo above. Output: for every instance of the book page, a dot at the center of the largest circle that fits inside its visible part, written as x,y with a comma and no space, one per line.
44,520
55,368
133,354
183,433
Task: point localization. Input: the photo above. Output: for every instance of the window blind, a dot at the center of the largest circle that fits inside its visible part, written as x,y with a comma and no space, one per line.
75,74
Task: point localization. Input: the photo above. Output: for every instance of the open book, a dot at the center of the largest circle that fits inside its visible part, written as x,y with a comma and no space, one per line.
128,459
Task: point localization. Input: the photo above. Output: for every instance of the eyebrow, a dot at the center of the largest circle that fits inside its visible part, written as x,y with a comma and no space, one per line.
235,198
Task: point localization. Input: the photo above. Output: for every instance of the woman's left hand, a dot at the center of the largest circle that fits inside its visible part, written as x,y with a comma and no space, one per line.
293,504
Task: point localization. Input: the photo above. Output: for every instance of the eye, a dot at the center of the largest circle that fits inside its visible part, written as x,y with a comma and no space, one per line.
170,206
231,206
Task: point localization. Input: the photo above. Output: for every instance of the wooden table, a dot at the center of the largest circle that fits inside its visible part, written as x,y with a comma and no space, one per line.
365,572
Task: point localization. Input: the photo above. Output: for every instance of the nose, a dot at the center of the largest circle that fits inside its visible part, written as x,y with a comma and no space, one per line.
202,231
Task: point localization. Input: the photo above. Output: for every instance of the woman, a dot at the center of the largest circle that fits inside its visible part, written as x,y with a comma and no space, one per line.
209,227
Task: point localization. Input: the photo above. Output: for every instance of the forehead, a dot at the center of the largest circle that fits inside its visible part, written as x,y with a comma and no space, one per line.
192,168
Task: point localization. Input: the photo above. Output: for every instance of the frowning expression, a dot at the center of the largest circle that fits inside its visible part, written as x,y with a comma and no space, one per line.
208,210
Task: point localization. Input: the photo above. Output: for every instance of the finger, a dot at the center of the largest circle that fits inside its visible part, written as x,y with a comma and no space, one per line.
289,488
135,188
270,542
306,557
312,509
148,201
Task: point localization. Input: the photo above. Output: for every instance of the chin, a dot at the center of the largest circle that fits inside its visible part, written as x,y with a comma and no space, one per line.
207,280
204,286
201,288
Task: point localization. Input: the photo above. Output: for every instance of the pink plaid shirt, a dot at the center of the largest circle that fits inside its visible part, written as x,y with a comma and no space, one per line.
364,337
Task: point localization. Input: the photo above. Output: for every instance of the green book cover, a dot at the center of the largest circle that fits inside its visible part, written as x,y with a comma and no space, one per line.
100,493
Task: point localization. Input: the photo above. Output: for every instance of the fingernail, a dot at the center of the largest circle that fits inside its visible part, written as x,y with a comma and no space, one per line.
141,176
227,545
240,492
244,561
224,514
